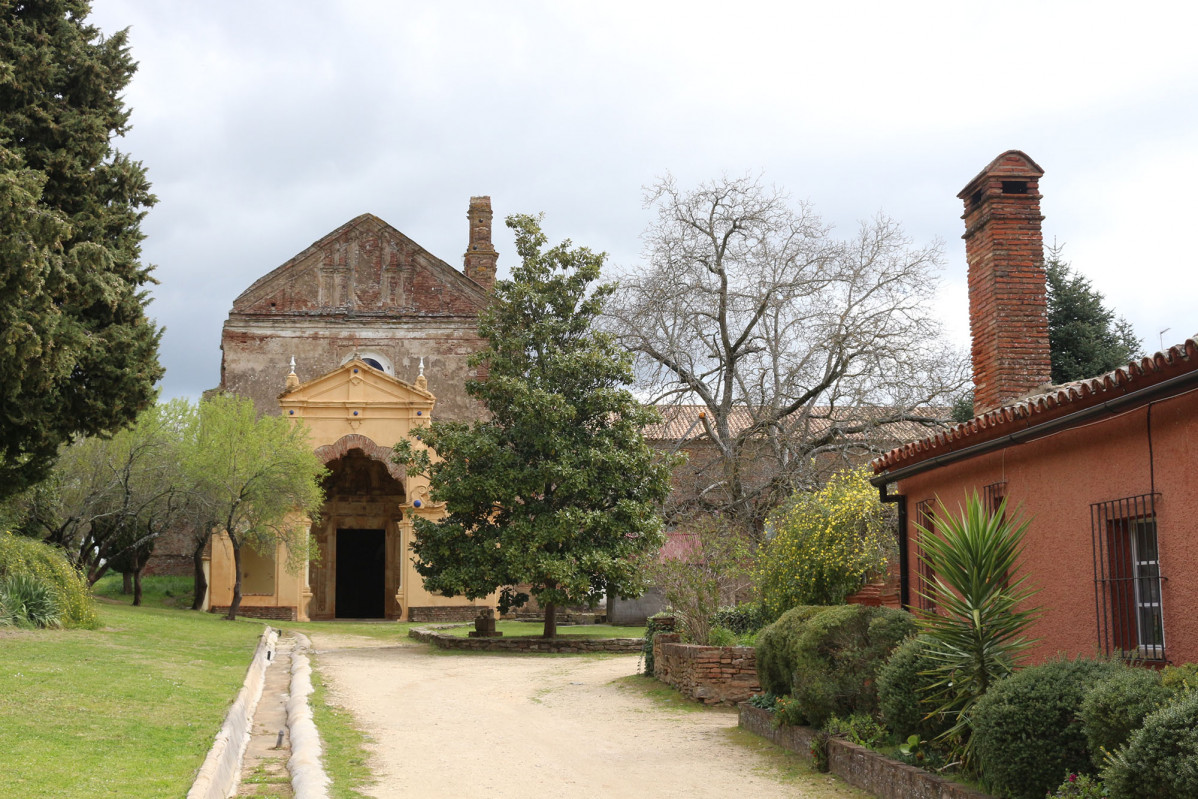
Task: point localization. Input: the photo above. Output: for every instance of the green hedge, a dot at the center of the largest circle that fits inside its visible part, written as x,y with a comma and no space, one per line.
775,648
27,556
1116,707
902,685
1161,758
1027,730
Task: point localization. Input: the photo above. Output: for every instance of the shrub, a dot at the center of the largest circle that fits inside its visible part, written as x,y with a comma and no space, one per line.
1026,730
21,555
721,636
904,685
837,657
1161,758
775,649
860,728
28,601
1116,706
1182,678
1079,786
824,545
657,623
740,619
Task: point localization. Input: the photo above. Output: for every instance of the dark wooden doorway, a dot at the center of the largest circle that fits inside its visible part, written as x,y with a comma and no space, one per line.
361,566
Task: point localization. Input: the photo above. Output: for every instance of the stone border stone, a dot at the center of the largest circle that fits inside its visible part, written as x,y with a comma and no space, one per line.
860,767
221,771
308,777
562,645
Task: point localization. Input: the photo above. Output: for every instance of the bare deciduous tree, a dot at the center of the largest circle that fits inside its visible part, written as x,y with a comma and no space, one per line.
794,343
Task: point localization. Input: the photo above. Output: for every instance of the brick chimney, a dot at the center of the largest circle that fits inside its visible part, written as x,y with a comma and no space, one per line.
1008,318
480,258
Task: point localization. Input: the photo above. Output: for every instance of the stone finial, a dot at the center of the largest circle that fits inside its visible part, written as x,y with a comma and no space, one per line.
421,380
293,380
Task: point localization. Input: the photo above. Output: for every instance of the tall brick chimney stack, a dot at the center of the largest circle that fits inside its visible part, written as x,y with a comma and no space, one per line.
1008,317
481,257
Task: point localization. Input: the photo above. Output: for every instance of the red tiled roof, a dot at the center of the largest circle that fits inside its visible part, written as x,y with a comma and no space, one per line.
679,422
1054,403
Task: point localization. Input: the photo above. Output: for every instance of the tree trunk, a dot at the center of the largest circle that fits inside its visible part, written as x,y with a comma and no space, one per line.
550,621
127,584
201,583
236,604
136,588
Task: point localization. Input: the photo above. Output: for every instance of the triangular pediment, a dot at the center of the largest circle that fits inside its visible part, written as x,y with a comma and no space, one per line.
357,384
364,267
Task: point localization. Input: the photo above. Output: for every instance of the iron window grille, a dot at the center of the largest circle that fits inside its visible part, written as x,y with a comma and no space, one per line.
926,576
1127,578
993,495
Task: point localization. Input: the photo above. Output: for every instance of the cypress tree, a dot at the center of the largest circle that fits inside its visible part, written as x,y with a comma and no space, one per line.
78,355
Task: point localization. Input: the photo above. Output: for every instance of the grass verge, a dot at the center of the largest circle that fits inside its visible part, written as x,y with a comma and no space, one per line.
129,709
520,629
344,744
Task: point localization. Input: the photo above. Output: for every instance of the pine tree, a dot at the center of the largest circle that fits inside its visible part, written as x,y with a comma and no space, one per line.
1084,336
78,356
556,489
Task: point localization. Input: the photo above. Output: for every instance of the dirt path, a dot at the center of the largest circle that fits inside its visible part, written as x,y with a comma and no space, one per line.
457,725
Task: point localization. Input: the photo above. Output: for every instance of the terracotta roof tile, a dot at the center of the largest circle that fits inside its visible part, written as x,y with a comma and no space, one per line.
1052,403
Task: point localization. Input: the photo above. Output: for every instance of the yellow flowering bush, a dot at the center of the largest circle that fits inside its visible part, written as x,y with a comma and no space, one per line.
823,545
21,555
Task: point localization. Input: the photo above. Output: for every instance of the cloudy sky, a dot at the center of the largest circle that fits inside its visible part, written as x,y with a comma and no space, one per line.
265,125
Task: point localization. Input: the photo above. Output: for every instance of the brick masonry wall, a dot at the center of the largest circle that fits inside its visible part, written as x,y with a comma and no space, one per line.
856,765
574,645
255,612
713,675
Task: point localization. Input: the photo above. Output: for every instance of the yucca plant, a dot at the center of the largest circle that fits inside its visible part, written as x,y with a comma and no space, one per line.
27,601
978,629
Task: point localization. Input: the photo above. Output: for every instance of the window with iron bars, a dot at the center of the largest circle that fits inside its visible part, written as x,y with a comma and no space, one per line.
993,495
925,576
1127,578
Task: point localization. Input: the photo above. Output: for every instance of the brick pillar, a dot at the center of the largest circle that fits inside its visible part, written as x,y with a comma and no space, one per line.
480,258
1008,317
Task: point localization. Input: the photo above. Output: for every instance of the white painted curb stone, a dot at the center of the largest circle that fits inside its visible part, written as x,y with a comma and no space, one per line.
220,774
308,777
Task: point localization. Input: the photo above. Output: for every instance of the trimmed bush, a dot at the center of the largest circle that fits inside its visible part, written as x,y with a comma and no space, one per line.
837,657
775,649
28,556
903,684
1026,728
1116,706
1160,760
1182,678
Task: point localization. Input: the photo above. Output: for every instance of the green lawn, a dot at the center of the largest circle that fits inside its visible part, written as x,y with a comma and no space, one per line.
126,710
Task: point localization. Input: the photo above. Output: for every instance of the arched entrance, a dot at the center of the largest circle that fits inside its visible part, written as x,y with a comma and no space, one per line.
359,536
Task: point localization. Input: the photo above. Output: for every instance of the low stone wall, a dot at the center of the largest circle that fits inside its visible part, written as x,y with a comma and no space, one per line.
258,612
713,675
860,767
443,613
568,645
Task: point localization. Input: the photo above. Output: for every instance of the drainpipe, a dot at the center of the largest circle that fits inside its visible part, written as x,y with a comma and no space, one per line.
904,582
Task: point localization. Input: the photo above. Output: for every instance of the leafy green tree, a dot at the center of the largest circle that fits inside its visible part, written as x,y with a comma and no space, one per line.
979,627
78,356
254,477
1084,336
108,497
556,489
823,545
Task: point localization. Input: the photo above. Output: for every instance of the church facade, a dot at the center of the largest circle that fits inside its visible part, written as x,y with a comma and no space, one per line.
377,333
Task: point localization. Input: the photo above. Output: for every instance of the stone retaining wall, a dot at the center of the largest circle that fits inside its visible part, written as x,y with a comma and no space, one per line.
856,765
443,613
714,675
567,645
258,612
